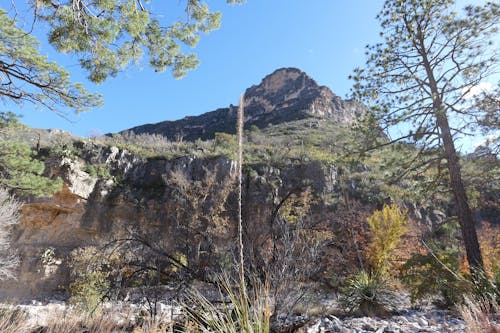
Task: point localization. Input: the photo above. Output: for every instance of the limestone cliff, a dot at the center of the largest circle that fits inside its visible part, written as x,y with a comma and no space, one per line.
185,200
142,195
287,94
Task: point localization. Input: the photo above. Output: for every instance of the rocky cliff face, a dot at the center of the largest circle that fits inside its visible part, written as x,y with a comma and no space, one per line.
187,204
145,196
287,94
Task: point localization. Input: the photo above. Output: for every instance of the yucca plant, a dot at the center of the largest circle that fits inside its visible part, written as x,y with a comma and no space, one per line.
239,312
368,295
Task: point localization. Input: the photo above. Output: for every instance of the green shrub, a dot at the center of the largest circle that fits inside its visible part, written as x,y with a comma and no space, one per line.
99,170
225,144
90,283
435,273
368,295
22,171
484,286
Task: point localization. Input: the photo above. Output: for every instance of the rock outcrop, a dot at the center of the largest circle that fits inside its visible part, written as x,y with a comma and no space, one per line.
141,194
287,94
187,204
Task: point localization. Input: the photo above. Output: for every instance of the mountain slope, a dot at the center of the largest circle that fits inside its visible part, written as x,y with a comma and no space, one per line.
286,95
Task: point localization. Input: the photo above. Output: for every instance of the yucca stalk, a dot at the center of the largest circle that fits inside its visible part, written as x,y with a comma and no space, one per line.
241,313
239,133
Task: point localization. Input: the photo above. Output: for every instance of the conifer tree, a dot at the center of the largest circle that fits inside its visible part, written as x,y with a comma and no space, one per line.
27,76
20,171
420,76
105,36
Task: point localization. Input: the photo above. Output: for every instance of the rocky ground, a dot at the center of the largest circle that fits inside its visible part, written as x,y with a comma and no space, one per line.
406,321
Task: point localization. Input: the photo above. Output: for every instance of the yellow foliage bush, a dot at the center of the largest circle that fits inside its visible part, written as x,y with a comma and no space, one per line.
387,227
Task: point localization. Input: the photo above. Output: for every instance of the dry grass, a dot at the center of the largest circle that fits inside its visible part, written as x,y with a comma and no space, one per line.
478,314
73,322
160,324
14,320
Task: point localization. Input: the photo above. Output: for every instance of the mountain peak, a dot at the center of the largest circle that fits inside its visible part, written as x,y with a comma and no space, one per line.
282,85
283,80
289,94
285,95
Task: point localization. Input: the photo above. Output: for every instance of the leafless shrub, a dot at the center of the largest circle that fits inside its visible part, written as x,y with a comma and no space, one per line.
291,251
201,210
294,263
9,216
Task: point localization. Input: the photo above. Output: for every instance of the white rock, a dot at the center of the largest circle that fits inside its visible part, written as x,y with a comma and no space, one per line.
112,155
422,321
415,326
79,182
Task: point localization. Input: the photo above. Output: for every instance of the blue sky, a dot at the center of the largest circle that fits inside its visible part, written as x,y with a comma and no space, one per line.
324,38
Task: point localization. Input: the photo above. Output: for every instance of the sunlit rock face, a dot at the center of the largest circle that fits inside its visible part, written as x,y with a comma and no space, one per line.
137,193
290,94
145,200
285,95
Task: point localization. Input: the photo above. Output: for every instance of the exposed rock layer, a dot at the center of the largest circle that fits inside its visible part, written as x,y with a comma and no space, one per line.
285,95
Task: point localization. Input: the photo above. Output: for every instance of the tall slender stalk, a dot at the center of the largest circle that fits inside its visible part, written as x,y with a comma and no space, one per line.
243,314
239,132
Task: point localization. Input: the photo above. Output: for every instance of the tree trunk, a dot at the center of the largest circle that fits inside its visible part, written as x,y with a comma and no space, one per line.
464,212
465,217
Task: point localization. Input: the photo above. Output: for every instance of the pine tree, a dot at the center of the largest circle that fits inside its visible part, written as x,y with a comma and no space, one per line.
20,171
27,76
420,75
105,36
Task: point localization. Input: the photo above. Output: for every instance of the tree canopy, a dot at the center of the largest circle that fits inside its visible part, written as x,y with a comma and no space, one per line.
422,77
104,35
20,170
430,53
27,76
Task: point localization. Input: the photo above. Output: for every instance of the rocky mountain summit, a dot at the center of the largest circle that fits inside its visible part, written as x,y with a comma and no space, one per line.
287,94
